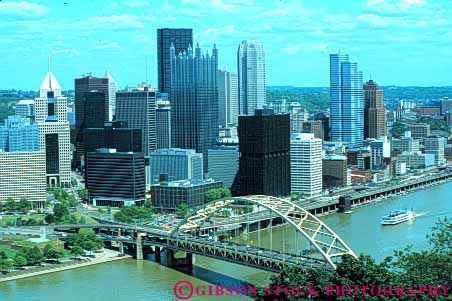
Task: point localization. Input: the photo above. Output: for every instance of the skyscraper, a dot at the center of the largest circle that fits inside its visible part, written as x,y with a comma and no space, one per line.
346,107
54,132
223,164
194,100
163,124
26,108
181,38
19,135
111,95
137,107
435,145
374,111
251,76
305,164
264,159
227,98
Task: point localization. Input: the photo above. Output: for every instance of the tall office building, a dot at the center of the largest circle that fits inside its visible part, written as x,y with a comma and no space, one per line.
181,38
115,178
111,95
297,119
137,107
19,135
176,164
446,105
435,145
264,159
54,132
26,108
163,124
334,171
380,149
194,100
346,107
227,98
374,111
251,76
315,127
305,164
223,164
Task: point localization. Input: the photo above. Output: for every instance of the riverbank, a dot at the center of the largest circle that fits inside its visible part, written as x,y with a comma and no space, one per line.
106,256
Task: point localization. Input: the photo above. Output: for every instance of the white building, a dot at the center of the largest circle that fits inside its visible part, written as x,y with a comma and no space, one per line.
306,164
23,176
379,150
54,132
251,76
111,95
227,98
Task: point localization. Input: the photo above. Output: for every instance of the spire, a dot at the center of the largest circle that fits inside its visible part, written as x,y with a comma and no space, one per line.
49,83
50,78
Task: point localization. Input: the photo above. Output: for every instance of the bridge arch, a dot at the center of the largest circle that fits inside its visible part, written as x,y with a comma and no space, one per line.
325,240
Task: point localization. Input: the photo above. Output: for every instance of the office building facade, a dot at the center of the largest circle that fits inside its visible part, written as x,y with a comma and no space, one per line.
137,107
227,98
25,108
419,131
223,164
168,196
346,106
54,131
194,100
435,146
163,124
305,164
181,38
374,111
315,127
176,164
19,135
23,176
334,171
264,159
251,76
115,178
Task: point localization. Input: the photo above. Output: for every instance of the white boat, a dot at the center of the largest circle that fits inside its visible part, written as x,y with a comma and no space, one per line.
398,216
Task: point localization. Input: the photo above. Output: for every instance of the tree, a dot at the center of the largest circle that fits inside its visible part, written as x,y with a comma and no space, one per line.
10,205
182,210
82,193
34,255
50,252
294,196
77,251
23,205
216,194
59,211
6,265
20,261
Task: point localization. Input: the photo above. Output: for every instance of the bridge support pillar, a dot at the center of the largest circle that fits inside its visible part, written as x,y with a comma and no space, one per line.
157,254
344,204
172,261
139,247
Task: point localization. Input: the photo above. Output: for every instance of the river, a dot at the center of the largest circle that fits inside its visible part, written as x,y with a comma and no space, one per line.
145,280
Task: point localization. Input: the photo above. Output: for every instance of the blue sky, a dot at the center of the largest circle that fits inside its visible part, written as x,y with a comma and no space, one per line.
400,42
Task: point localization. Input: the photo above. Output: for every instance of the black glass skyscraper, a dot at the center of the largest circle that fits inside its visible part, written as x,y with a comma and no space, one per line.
264,161
194,100
181,38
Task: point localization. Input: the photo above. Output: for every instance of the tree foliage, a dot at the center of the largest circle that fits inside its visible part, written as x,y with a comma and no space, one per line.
130,214
217,193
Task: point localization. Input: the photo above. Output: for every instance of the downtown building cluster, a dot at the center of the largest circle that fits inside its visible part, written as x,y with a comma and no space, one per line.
206,128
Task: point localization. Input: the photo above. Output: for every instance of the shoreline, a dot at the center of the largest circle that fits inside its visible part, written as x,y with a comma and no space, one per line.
63,268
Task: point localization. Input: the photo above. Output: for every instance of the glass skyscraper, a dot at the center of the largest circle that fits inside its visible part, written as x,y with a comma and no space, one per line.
194,100
19,135
346,91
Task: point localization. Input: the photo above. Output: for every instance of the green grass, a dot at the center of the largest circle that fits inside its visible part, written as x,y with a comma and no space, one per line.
9,220
10,253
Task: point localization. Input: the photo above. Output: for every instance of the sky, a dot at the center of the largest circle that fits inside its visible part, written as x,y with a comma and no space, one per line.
396,42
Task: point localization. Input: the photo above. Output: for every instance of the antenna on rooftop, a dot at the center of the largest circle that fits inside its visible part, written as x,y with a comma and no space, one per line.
50,77
146,63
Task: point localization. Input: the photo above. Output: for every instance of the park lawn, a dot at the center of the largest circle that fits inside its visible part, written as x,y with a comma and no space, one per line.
9,220
89,220
10,253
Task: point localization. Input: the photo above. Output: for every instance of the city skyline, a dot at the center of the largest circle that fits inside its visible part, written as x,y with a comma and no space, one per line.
390,39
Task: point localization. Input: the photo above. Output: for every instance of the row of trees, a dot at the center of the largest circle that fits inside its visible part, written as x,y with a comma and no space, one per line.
61,215
406,268
11,205
86,239
130,214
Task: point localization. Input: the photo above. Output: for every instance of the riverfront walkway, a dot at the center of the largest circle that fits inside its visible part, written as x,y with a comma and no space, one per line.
108,256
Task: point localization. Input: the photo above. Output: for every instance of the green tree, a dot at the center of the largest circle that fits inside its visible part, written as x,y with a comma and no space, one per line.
6,265
10,205
182,210
50,252
34,255
216,194
23,205
59,211
77,251
294,196
20,261
82,193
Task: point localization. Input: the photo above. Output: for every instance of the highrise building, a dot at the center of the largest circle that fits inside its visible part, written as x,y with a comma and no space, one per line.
446,105
297,118
325,119
163,124
54,131
305,164
435,145
223,164
181,38
334,171
26,108
82,86
264,159
176,164
374,111
115,178
419,130
251,76
346,107
227,98
111,95
137,107
315,127
194,100
19,135
380,149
